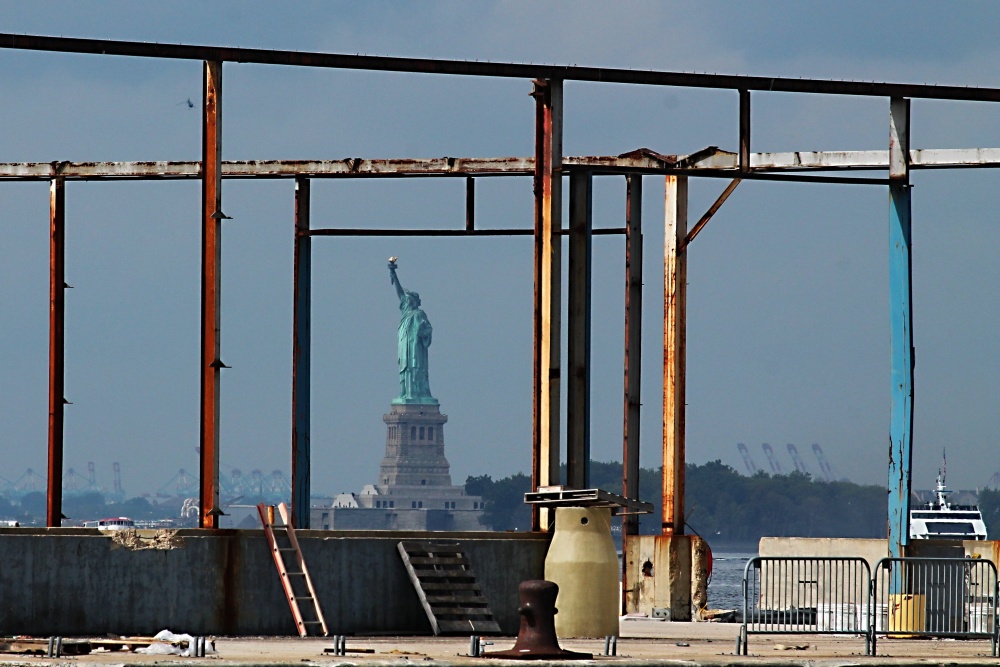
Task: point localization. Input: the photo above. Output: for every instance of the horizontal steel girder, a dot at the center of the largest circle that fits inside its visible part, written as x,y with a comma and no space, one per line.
709,160
493,69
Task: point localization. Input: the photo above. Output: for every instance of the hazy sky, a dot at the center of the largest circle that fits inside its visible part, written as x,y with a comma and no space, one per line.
788,327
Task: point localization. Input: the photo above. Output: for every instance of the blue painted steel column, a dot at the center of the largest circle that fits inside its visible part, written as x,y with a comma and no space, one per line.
301,341
901,331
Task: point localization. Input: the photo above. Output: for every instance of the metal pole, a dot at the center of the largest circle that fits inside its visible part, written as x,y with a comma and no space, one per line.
211,283
301,352
548,270
578,331
674,352
744,159
633,365
470,203
57,358
901,330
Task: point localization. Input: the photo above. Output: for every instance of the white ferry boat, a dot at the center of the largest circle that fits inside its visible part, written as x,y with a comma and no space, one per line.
940,520
114,523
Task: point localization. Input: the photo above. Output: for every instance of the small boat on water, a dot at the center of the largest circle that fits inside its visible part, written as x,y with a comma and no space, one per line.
940,520
114,523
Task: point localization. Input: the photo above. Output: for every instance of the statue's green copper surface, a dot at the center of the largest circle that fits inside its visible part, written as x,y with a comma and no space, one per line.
414,338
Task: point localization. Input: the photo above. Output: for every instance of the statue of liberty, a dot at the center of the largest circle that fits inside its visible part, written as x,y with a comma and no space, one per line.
414,338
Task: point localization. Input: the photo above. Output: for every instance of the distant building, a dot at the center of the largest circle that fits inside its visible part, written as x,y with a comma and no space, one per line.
413,490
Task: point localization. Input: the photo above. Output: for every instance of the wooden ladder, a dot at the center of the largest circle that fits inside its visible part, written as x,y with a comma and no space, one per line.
294,576
447,588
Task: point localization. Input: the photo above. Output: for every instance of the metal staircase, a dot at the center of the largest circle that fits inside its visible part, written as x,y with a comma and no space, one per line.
447,588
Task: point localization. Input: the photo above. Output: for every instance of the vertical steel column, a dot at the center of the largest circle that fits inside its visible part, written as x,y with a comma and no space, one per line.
470,203
900,328
548,96
578,330
633,364
301,353
57,356
674,352
211,283
744,131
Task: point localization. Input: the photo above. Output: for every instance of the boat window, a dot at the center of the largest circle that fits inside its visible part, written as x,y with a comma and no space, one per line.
956,528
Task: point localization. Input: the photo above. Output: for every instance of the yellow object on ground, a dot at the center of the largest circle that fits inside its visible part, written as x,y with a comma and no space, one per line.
582,561
907,613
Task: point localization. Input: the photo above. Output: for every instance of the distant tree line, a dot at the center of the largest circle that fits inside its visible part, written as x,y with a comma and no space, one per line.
721,505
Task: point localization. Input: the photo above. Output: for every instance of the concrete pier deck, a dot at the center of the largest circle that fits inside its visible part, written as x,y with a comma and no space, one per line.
641,643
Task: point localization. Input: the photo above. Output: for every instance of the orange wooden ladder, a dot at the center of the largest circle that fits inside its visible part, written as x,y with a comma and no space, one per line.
294,576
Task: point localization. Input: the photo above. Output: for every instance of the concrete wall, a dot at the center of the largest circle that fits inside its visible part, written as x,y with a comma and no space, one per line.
78,582
875,550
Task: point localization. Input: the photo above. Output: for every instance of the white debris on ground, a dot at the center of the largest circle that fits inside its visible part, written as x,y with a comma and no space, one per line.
168,643
161,539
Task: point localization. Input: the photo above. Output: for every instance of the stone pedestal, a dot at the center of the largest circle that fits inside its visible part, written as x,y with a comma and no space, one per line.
413,490
414,447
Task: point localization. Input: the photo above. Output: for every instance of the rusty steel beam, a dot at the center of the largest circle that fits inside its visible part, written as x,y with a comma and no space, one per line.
712,210
632,366
548,95
494,69
578,330
709,163
301,356
57,358
674,352
602,231
211,284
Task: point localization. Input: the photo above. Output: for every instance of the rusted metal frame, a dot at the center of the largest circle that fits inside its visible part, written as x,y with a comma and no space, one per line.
632,366
714,163
620,170
777,177
674,352
57,349
470,204
744,163
548,95
301,356
712,210
901,331
211,284
493,69
603,231
539,93
578,328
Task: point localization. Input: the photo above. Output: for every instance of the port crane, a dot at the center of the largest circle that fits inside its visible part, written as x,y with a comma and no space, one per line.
800,465
772,459
747,461
824,467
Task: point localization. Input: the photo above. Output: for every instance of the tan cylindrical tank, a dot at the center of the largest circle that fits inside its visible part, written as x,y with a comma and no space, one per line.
583,562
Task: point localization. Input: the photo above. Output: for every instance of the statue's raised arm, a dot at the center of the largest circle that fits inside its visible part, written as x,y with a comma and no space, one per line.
400,292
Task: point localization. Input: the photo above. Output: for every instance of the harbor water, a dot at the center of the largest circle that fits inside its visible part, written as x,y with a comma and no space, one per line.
725,588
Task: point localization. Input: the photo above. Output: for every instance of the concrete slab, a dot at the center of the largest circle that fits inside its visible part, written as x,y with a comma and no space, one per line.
643,643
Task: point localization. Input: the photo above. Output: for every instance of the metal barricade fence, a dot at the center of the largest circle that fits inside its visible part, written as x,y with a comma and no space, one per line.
935,597
806,595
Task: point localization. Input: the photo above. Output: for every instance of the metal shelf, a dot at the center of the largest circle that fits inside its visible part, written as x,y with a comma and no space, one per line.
557,496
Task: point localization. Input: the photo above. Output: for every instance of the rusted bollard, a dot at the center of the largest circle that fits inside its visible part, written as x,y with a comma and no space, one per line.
536,638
